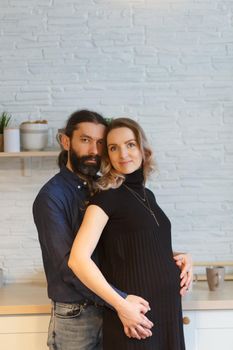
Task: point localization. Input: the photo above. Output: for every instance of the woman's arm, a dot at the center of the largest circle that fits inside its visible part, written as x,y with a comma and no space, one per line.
87,271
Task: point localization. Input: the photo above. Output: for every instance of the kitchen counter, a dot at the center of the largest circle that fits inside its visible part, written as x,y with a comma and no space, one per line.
24,298
201,298
32,298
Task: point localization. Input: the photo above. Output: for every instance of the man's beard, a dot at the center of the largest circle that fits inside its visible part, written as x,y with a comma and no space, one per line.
80,165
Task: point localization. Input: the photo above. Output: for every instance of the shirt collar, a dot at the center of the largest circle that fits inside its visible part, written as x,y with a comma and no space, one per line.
73,178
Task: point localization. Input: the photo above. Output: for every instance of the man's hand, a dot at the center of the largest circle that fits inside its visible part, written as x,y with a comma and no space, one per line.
184,261
132,314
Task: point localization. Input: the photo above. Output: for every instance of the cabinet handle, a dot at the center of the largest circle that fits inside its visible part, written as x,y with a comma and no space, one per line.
186,320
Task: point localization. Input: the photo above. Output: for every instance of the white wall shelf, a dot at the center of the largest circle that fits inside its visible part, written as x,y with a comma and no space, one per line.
27,156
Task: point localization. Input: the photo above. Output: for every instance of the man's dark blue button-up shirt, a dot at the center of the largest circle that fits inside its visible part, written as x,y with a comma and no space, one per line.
58,212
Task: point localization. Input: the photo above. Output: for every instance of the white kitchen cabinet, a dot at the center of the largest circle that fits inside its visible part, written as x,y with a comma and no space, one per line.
25,314
24,332
209,330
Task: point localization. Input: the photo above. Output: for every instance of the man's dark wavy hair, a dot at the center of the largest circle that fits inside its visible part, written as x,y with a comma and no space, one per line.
72,125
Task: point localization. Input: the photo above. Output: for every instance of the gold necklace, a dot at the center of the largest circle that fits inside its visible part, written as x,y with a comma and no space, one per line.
137,194
142,201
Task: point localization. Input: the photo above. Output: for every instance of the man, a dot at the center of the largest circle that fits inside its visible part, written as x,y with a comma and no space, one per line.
76,317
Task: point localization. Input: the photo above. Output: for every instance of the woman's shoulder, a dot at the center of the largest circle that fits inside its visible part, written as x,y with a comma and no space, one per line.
106,200
104,195
150,193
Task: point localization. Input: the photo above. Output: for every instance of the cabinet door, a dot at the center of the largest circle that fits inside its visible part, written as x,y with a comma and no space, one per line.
24,332
189,318
214,330
24,341
209,330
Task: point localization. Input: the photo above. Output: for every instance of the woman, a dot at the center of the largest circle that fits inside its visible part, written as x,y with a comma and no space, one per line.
134,238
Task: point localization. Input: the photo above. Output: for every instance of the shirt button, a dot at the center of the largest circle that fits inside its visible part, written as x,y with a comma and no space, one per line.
79,187
85,183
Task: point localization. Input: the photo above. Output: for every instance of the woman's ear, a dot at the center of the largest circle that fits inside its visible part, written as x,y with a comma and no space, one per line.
65,142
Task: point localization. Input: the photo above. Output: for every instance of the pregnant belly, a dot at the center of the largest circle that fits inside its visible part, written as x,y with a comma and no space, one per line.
149,279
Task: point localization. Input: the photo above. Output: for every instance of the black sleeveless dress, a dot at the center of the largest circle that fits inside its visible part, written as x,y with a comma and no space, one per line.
136,257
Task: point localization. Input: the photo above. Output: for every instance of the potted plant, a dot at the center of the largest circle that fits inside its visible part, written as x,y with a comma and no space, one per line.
4,121
34,135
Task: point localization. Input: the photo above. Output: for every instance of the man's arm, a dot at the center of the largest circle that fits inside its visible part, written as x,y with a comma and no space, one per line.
184,262
56,239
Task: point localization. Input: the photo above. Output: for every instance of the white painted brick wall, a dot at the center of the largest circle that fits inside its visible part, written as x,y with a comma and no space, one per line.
167,63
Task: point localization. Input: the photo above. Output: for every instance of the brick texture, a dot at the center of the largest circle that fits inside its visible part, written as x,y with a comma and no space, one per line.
168,64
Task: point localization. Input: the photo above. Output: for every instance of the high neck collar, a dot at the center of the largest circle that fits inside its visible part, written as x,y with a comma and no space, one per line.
135,179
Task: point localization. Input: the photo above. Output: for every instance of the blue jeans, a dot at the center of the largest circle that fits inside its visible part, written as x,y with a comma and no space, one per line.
75,327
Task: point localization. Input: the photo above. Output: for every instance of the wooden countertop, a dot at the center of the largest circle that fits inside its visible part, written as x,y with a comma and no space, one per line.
32,298
201,298
24,298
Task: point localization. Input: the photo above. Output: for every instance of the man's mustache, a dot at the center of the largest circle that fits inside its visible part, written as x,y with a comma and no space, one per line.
91,158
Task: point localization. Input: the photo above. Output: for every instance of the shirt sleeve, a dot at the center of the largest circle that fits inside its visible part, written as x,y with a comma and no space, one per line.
105,200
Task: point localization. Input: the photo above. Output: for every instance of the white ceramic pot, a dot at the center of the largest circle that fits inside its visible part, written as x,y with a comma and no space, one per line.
11,140
33,136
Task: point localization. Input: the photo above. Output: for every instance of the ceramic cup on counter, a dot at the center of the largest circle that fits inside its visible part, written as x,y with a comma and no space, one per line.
215,277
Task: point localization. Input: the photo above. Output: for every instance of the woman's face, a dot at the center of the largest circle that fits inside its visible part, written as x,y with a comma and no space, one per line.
123,150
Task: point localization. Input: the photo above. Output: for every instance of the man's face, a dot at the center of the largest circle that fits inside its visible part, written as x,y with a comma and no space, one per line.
85,148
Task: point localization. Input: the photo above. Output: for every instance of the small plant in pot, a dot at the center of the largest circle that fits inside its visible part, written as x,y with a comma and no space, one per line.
4,121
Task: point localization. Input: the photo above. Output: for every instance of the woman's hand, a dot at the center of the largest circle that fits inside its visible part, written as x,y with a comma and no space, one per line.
184,262
132,315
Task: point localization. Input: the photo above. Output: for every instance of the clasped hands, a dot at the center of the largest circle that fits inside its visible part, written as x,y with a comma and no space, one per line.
132,311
